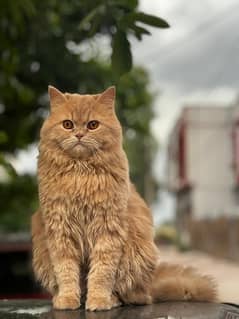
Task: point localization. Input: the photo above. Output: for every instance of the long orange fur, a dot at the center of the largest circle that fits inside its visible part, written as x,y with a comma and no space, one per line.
93,234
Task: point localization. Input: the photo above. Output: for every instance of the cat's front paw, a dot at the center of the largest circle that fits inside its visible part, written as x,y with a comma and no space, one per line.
97,303
63,302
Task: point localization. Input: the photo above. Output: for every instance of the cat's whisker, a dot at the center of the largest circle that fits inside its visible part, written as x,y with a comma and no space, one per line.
69,143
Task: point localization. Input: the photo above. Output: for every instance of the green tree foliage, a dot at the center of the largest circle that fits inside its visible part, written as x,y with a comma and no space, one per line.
36,39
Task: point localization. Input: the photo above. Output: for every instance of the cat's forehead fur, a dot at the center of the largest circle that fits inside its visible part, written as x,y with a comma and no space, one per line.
81,106
81,98
81,101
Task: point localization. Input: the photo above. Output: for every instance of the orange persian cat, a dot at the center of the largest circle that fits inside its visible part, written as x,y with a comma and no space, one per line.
93,234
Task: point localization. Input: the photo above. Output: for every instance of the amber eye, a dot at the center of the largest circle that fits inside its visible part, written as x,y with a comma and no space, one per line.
92,125
68,124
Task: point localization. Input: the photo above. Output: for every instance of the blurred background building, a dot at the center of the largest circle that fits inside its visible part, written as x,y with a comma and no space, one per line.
203,167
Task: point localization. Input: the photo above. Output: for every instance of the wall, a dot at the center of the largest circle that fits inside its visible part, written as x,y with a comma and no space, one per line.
210,161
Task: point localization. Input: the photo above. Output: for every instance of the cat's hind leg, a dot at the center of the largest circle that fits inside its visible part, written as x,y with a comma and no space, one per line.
135,273
41,262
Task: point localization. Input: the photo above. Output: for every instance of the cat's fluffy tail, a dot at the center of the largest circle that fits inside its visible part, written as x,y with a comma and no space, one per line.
175,282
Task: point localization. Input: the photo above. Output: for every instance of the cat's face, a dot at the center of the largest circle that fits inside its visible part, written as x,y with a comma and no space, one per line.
82,125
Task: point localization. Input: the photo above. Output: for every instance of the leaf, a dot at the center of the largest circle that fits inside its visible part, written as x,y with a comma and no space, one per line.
3,137
139,31
121,57
94,26
151,20
128,21
129,4
7,166
93,14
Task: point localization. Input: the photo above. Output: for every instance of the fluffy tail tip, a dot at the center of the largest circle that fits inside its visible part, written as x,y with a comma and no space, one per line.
178,283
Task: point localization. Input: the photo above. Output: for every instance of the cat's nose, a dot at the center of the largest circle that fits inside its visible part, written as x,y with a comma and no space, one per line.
79,136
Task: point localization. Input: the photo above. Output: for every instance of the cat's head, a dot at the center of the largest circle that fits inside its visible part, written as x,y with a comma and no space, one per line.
82,125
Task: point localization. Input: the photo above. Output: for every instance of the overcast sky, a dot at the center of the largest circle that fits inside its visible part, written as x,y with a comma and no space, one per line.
195,61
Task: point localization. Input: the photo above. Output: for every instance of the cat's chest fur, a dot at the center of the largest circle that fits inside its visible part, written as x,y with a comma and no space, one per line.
81,201
80,191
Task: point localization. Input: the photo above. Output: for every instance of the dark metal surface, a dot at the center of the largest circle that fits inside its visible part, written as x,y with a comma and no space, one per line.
31,309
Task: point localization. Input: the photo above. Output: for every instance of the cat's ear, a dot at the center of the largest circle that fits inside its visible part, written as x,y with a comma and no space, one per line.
56,97
107,98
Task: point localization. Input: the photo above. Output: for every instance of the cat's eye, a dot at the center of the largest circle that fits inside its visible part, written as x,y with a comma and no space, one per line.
68,124
92,125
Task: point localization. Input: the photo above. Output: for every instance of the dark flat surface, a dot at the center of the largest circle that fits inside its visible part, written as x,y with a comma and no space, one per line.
31,309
